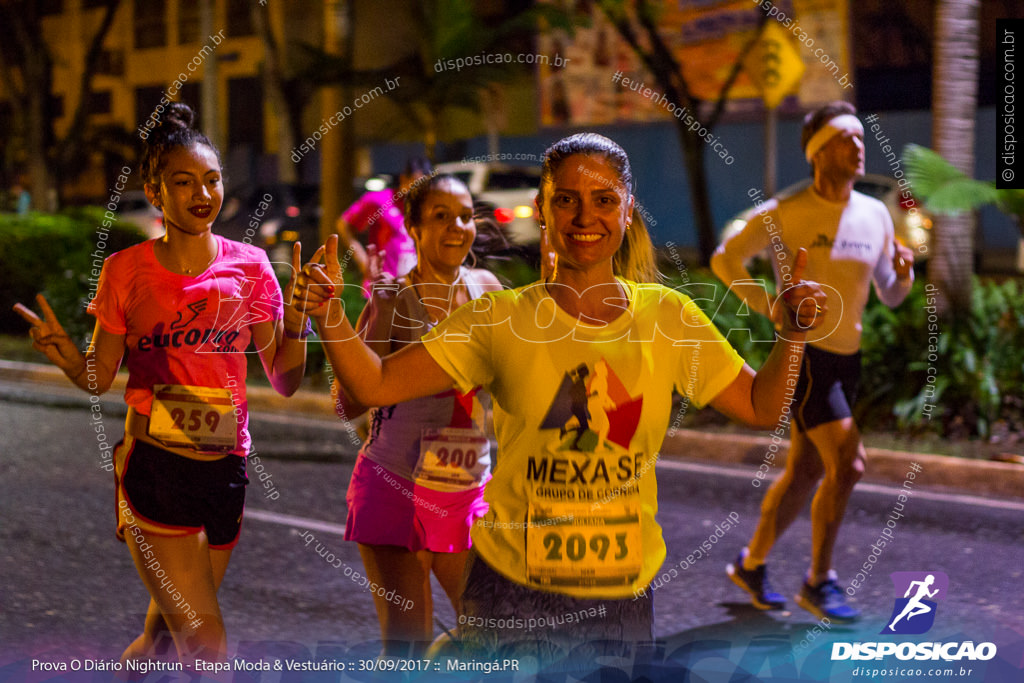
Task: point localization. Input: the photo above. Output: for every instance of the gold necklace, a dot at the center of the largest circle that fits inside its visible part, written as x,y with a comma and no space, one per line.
188,271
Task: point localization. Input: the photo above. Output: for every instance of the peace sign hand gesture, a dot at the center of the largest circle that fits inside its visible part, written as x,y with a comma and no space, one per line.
289,288
49,337
296,324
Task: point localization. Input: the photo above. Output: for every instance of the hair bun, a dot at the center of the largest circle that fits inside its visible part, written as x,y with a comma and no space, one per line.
179,116
171,125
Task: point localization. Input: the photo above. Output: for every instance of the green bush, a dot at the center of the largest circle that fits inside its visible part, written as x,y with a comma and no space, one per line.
751,334
957,378
51,254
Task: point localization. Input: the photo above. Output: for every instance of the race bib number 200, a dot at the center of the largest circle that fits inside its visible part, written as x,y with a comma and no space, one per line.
573,544
193,417
455,458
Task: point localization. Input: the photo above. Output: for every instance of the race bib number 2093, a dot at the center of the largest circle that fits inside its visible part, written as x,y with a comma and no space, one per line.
576,544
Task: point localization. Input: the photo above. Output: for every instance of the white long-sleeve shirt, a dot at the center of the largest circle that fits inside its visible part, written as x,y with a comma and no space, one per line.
849,245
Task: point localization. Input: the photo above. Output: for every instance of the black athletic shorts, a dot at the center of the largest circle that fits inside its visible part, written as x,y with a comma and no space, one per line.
166,494
827,388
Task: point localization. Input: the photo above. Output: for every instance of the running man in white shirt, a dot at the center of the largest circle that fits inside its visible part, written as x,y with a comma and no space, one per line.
850,240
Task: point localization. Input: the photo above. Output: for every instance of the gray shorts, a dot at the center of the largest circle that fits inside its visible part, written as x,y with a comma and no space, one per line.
502,618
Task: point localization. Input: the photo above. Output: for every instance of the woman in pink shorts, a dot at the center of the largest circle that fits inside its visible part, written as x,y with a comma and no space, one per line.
418,482
184,307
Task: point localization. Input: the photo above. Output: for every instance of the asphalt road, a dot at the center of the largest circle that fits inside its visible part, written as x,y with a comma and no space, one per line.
69,589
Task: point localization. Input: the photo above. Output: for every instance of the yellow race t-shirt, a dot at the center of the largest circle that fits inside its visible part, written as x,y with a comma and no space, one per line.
580,412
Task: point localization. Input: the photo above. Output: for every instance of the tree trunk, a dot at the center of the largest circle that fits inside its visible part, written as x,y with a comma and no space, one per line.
38,138
430,136
954,103
273,82
337,150
693,153
70,152
659,59
344,190
50,161
28,74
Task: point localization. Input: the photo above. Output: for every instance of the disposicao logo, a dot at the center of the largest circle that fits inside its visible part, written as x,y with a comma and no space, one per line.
917,597
913,613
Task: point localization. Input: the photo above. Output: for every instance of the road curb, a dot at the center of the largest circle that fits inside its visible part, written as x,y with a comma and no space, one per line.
263,399
962,475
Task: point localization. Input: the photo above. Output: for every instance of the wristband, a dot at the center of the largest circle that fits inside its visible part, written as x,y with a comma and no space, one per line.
306,331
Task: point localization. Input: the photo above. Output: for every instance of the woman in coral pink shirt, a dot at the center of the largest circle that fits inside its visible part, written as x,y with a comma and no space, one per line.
186,306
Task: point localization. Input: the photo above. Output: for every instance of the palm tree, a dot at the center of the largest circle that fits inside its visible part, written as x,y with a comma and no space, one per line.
453,29
954,103
948,192
287,88
431,89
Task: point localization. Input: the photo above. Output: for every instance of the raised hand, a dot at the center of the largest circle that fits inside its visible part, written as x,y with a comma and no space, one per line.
289,288
803,303
374,264
902,259
49,337
295,321
319,281
378,280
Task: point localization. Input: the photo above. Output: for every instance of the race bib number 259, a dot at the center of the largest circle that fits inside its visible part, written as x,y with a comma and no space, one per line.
193,417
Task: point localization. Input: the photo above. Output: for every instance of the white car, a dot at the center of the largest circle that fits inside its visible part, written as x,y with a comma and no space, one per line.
912,228
510,189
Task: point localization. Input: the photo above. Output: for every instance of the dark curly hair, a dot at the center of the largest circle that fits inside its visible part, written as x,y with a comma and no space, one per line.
174,130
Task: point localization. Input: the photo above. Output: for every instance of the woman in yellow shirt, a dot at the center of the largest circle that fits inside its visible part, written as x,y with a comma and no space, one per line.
570,536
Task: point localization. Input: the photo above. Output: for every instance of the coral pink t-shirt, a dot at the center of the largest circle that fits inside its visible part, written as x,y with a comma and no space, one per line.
189,330
379,214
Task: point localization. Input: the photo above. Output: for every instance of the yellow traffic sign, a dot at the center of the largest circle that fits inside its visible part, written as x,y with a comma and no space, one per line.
774,65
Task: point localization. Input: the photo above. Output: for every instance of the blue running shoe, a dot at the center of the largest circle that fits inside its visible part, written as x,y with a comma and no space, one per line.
755,582
827,600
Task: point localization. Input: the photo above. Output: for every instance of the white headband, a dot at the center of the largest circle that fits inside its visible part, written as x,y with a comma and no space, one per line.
844,123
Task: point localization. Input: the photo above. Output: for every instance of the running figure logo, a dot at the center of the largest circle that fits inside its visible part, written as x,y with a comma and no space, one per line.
594,407
196,307
914,612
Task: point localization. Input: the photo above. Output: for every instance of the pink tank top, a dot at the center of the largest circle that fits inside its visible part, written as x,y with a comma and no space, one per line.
395,430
